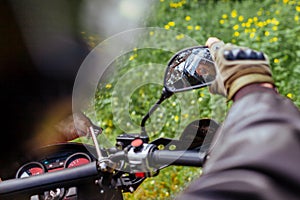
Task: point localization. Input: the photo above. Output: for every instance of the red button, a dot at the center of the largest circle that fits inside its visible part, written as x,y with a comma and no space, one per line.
140,175
137,143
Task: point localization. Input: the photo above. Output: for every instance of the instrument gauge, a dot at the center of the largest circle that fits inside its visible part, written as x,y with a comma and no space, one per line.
77,159
30,169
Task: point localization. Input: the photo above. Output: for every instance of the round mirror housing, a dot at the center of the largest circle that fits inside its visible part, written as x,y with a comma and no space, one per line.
190,69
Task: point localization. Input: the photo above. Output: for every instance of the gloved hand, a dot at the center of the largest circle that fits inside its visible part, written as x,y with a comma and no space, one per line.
237,67
69,131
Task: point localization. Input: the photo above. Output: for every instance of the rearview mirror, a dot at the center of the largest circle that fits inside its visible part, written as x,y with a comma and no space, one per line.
189,69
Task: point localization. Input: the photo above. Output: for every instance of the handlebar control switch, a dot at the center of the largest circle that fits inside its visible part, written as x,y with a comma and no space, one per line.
138,156
124,140
137,145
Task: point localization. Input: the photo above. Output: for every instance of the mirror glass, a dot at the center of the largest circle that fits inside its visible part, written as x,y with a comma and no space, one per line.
189,69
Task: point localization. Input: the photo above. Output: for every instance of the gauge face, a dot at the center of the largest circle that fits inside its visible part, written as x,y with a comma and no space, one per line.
35,171
30,169
76,160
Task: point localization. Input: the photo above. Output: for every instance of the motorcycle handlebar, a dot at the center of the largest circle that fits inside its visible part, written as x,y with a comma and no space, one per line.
181,158
166,157
74,176
48,181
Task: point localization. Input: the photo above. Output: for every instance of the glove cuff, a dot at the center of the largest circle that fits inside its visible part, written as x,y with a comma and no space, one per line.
246,80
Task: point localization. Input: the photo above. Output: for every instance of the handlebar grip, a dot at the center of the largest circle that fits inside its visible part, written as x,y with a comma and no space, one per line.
36,184
180,158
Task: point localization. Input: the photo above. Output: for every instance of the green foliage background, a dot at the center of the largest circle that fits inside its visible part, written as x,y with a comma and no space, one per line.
271,26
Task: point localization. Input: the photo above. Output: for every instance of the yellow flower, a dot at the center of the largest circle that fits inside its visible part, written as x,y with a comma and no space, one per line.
290,95
222,21
167,27
174,5
255,19
224,16
285,1
260,24
171,23
180,36
275,21
276,60
151,33
234,13
259,13
197,28
132,57
190,27
275,28
167,194
187,18
252,35
241,18
108,130
267,33
108,86
274,39
296,18
110,123
186,115
235,27
176,118
298,8
236,34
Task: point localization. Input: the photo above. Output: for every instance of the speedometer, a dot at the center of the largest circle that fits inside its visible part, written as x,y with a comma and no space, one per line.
30,169
77,159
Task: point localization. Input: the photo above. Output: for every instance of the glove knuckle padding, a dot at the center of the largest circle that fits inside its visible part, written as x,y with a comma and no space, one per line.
240,66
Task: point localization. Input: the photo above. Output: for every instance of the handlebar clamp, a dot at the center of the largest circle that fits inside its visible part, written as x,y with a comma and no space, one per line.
138,157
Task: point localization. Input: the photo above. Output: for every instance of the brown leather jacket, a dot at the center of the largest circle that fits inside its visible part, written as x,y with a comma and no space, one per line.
256,154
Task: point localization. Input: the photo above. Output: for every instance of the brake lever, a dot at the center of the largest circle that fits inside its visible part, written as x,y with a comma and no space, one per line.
95,141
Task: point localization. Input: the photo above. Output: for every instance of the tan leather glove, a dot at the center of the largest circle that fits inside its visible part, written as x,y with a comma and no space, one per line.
237,67
68,131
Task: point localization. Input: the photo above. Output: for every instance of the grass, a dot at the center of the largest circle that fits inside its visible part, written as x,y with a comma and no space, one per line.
269,26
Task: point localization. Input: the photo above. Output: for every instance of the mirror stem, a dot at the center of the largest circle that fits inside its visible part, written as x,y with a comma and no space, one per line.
165,95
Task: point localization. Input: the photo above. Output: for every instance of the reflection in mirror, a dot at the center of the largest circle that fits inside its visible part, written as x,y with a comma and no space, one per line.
190,69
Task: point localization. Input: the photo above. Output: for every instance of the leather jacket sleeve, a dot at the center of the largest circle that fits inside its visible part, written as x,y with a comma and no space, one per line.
256,154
